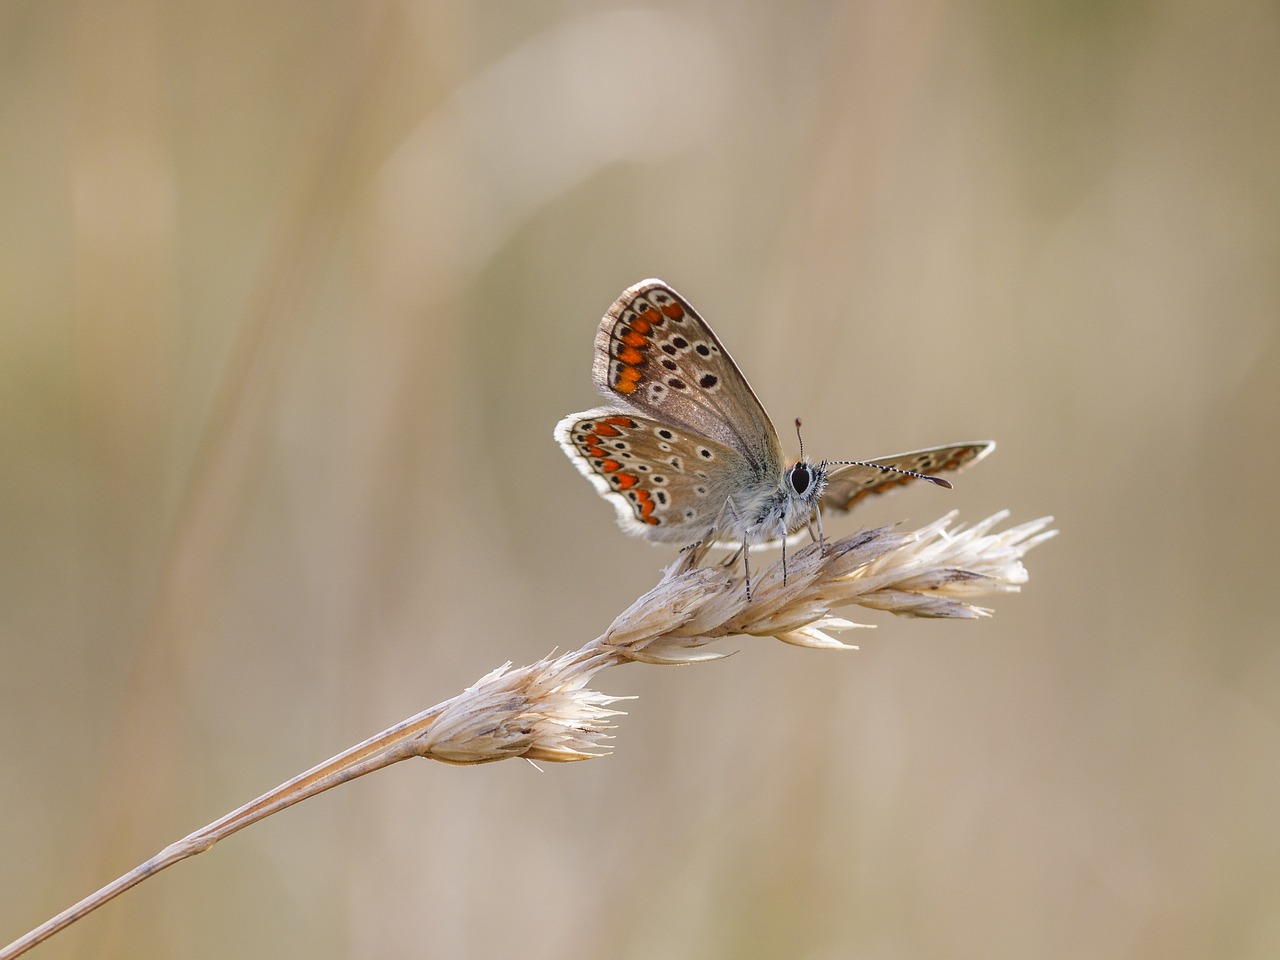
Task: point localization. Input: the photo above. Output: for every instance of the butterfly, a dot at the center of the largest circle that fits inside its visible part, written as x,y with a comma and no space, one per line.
685,451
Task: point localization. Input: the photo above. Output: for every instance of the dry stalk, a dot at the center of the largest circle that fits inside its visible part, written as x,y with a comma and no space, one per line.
543,711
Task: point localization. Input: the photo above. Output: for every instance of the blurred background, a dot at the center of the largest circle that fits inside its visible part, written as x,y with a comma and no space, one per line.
291,297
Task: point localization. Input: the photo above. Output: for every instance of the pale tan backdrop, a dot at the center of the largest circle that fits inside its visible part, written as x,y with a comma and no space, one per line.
291,296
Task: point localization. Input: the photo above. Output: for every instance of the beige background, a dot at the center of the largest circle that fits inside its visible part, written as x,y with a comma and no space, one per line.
291,296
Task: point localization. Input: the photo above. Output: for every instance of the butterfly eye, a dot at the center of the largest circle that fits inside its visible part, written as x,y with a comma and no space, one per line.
800,478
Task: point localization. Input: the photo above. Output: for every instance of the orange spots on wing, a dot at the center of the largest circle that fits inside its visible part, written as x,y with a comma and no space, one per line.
626,481
593,451
897,480
621,421
628,377
673,310
611,466
641,325
630,356
633,339
607,430
644,504
651,316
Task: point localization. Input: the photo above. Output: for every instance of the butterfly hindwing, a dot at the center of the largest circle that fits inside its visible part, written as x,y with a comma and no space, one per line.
665,483
850,484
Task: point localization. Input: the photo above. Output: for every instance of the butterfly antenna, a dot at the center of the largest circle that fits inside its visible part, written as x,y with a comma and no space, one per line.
884,469
800,437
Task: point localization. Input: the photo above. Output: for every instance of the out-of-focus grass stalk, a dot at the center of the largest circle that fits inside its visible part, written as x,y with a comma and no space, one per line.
544,711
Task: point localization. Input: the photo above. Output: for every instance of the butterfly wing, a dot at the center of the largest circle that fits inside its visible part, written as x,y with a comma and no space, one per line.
655,354
852,483
665,483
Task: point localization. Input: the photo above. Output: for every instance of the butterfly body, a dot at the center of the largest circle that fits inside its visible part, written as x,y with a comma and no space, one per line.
685,451
763,515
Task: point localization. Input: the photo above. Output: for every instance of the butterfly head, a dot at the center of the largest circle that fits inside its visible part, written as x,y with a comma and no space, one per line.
802,486
805,481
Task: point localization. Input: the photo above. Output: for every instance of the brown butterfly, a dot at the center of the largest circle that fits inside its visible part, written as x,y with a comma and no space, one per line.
685,450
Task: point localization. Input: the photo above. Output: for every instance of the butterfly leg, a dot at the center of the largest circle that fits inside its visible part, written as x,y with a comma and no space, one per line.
730,509
784,560
706,540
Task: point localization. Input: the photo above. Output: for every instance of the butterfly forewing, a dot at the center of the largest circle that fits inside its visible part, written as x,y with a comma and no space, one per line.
850,484
656,354
664,483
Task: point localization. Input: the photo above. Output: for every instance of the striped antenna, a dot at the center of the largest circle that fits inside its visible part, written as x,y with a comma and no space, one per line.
883,469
